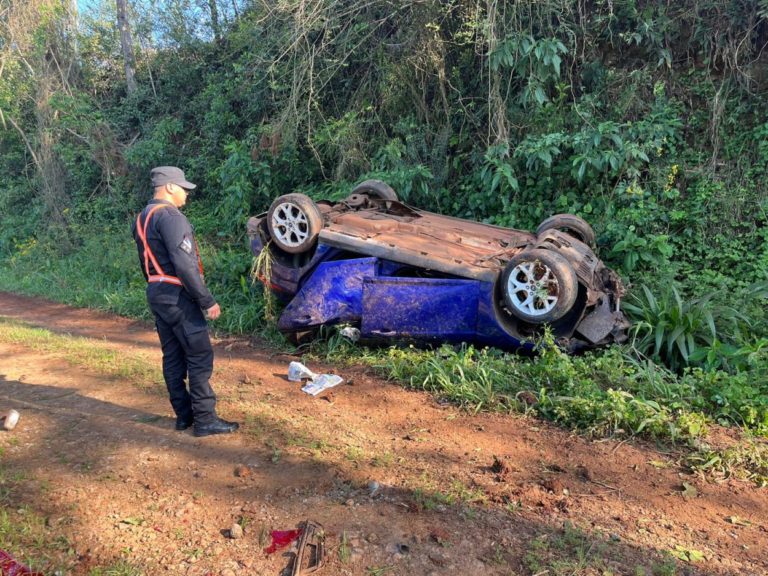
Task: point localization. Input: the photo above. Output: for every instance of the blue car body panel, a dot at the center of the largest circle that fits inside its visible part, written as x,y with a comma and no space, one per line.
365,292
333,294
419,307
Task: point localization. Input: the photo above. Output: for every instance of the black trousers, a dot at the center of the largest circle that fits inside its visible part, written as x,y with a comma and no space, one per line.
187,353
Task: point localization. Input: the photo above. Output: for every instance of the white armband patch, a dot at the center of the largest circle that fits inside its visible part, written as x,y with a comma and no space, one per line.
186,245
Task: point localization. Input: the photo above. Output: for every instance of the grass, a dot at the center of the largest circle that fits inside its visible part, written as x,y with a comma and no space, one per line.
605,393
747,461
25,533
86,352
113,281
573,552
119,568
345,549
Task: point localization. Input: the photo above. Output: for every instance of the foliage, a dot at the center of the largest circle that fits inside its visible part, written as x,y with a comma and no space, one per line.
748,460
602,393
676,331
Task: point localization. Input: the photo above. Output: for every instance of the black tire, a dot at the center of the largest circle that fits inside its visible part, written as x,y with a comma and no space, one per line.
539,286
294,223
376,189
571,225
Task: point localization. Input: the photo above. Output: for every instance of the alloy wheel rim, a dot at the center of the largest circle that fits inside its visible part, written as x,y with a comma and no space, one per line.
533,288
290,224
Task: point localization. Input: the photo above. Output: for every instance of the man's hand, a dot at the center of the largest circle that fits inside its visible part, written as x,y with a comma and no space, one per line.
213,312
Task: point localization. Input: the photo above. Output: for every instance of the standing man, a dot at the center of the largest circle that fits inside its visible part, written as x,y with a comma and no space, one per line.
180,302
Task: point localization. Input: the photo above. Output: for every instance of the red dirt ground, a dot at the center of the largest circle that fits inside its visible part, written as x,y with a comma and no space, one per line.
105,467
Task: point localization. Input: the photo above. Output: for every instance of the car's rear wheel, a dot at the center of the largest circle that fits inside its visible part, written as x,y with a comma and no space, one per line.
571,225
294,223
377,189
539,286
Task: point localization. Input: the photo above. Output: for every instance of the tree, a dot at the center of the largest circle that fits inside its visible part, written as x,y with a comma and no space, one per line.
212,6
126,43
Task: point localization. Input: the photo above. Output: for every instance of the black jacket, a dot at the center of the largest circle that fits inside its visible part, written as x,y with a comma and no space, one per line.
171,239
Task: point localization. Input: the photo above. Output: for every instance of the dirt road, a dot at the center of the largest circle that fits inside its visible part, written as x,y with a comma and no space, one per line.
402,483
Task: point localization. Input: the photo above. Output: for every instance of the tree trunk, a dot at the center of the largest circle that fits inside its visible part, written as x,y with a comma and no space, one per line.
215,19
127,46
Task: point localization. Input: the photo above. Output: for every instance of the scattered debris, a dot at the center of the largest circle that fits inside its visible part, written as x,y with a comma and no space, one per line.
282,538
298,372
311,551
10,419
350,332
236,531
10,567
322,382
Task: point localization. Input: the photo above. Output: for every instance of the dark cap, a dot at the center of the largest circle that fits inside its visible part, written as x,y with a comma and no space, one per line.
163,175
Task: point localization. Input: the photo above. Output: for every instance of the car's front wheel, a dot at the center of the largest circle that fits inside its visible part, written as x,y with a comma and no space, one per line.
294,223
539,286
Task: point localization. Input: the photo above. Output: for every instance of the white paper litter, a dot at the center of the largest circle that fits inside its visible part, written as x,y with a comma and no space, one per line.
322,382
350,332
298,372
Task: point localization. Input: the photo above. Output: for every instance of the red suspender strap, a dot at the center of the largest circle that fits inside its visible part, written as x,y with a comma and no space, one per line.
148,255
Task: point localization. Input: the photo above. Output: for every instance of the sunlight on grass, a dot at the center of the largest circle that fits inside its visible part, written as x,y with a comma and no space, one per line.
86,352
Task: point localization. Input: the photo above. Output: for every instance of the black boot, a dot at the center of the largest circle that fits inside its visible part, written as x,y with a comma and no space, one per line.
215,426
183,423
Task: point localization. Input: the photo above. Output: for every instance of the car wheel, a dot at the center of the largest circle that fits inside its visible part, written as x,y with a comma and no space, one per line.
539,286
376,189
294,222
571,225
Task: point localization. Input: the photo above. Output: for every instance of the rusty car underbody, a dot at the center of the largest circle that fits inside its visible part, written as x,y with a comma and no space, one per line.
395,271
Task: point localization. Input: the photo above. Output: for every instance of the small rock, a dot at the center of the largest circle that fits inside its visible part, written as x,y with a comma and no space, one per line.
350,502
236,531
228,572
584,473
242,471
440,536
554,485
372,538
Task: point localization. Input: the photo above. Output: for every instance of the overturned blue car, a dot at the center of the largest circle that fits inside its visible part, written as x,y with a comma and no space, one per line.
397,272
